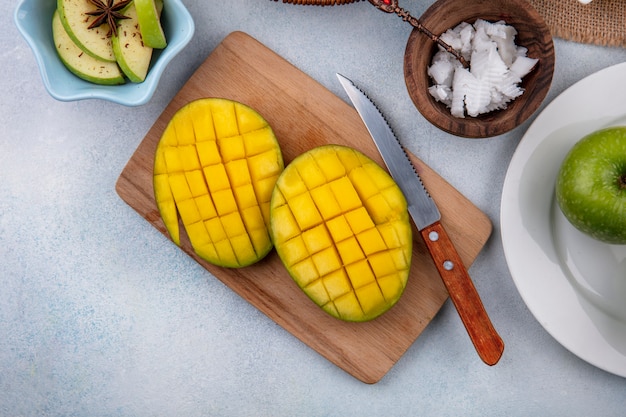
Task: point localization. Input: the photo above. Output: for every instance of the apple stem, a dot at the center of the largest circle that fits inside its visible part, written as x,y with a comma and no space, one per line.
621,181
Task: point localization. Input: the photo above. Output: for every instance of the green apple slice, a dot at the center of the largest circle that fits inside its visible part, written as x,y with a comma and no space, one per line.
81,64
149,15
94,42
132,55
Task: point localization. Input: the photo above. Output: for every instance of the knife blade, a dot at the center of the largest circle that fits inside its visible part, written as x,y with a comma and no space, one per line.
427,218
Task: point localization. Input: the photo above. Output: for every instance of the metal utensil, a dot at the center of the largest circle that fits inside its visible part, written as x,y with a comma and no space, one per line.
427,218
390,6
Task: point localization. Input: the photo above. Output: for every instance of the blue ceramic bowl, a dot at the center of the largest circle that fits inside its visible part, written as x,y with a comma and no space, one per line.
34,20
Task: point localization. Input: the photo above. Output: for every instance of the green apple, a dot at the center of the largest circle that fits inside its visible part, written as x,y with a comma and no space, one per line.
132,55
81,64
149,15
591,185
94,42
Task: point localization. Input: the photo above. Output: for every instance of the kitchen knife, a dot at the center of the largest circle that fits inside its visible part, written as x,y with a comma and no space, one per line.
427,218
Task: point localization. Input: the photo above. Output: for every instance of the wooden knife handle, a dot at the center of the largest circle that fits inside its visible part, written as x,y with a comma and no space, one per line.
486,340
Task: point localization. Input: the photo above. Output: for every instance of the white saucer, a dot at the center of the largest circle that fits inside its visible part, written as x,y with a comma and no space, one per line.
575,286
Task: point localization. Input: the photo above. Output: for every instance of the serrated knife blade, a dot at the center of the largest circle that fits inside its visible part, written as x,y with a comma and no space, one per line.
427,218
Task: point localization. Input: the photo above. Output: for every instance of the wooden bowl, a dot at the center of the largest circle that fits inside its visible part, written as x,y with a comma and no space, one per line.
533,33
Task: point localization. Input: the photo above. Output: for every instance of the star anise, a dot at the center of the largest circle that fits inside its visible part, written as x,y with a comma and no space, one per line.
107,12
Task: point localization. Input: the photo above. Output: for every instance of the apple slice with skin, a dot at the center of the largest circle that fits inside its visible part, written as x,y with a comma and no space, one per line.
132,55
81,64
74,17
149,17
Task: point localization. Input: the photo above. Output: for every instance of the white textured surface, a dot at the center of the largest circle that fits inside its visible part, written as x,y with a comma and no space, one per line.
101,316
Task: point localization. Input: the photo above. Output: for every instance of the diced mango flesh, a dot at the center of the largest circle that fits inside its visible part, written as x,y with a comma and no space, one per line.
215,167
340,226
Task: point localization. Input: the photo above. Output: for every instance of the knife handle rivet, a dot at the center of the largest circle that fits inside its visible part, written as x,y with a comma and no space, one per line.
448,265
433,236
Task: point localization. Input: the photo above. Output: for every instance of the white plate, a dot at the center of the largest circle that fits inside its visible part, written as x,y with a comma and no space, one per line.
574,286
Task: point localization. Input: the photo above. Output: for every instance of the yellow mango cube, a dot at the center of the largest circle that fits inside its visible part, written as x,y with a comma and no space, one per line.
317,292
231,148
167,206
253,219
326,261
330,164
351,160
183,128
233,225
245,197
359,220
224,118
216,178
242,247
188,211
188,157
196,182
198,234
349,308
206,250
202,122
325,200
287,228
390,235
363,184
179,186
169,137
382,264
337,284
371,241
379,209
339,228
345,194
400,259
394,199
350,251
311,174
360,274
226,254
291,185
208,153
238,173
263,188
160,167
295,251
216,229
172,159
263,165
370,298
258,141
307,274
379,177
259,238
249,121
316,239
205,207
225,202
391,286
304,211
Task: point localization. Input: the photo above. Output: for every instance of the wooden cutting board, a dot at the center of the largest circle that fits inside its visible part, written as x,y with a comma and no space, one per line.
304,114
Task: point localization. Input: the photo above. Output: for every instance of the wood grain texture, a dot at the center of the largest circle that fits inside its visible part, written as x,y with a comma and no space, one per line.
463,294
533,33
304,114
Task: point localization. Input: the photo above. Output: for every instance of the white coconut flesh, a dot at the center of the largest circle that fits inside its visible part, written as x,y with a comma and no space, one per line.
496,68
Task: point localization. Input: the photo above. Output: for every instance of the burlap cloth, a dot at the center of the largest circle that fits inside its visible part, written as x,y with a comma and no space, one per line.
601,22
